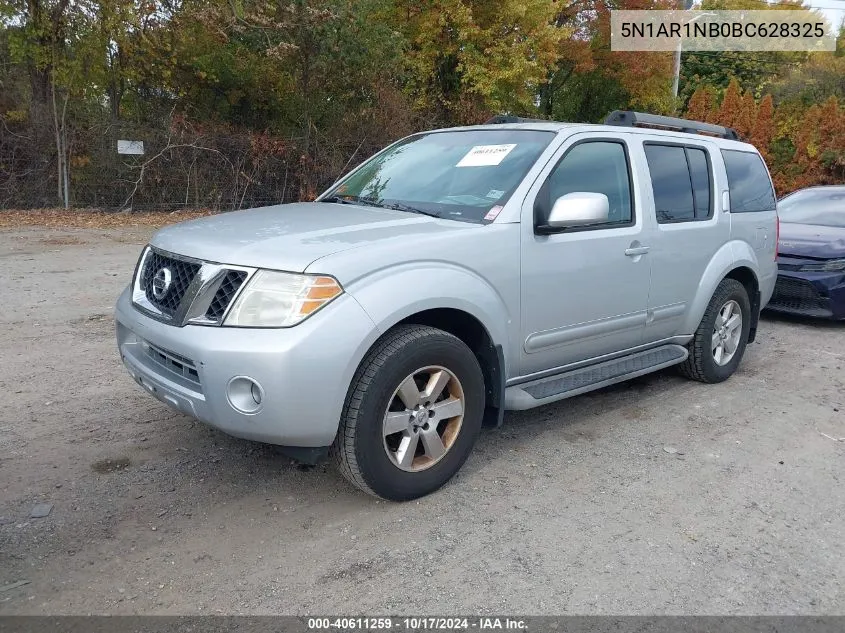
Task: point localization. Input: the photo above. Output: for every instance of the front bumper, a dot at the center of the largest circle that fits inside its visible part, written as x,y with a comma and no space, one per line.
819,295
304,371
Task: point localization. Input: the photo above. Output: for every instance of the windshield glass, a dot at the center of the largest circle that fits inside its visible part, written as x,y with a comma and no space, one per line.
822,207
458,175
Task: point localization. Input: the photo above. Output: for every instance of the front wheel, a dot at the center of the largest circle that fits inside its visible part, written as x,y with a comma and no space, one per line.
721,337
412,415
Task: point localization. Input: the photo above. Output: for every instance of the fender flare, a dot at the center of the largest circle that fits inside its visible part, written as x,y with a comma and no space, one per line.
731,256
391,296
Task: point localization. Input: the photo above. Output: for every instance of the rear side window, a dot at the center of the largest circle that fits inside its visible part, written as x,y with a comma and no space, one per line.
680,181
749,183
700,175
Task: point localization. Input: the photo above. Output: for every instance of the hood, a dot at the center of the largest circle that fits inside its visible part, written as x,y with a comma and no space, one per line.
811,240
292,236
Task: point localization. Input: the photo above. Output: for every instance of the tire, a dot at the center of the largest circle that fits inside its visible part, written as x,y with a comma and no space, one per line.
704,363
378,461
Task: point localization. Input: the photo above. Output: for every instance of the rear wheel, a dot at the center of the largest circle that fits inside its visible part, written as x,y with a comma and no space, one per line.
721,337
412,414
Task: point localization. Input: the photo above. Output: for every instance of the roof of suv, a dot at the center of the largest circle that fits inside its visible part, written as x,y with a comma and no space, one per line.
557,127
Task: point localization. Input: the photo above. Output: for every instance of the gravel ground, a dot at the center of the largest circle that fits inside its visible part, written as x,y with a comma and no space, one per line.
659,496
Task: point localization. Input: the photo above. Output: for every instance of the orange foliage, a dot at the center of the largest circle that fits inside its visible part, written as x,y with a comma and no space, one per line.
801,147
763,130
731,105
700,106
746,116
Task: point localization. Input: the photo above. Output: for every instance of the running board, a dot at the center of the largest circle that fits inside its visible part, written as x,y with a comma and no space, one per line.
539,392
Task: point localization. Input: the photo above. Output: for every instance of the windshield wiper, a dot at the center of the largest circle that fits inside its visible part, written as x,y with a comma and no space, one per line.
337,199
352,200
398,206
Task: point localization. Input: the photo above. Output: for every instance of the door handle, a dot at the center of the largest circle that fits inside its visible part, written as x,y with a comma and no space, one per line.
637,250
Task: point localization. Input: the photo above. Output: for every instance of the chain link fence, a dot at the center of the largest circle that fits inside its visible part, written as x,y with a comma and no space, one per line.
178,165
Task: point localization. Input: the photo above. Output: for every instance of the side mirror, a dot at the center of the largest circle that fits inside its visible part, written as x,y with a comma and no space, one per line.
579,208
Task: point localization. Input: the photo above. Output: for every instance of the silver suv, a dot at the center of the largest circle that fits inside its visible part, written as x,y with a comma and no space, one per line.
455,275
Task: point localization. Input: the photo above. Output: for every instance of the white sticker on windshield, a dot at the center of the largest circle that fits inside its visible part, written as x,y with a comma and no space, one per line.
484,155
495,194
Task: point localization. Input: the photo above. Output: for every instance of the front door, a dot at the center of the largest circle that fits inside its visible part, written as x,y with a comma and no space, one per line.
584,290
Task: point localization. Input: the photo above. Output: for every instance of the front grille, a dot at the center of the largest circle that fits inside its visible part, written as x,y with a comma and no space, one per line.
224,295
199,292
182,274
796,294
174,363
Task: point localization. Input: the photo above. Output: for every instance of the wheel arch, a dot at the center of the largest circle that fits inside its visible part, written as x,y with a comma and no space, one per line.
452,298
475,335
735,260
748,278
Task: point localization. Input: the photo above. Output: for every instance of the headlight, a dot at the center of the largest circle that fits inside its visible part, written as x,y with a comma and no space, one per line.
274,299
830,266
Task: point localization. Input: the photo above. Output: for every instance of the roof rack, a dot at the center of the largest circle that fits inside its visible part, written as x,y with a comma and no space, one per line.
633,119
507,118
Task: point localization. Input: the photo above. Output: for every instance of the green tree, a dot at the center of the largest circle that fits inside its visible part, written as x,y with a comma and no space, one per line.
468,57
819,78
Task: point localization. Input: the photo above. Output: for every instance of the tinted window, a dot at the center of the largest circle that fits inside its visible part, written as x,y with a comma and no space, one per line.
597,167
824,206
700,175
750,187
670,182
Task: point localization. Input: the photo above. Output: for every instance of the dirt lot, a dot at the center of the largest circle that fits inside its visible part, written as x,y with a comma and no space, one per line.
657,496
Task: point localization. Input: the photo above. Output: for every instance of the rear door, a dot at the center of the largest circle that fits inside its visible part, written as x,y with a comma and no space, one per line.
688,228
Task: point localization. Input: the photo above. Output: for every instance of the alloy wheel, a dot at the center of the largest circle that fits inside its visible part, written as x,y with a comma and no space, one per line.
423,418
727,332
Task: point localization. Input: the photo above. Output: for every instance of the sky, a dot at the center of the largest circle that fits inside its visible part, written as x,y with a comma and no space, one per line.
834,10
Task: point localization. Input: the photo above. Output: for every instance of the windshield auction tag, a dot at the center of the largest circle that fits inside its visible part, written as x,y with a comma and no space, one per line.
493,213
485,155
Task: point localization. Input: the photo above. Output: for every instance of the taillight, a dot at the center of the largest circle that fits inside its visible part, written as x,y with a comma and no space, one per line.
777,235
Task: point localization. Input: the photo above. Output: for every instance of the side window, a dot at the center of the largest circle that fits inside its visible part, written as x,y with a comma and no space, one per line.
749,184
596,167
699,170
680,181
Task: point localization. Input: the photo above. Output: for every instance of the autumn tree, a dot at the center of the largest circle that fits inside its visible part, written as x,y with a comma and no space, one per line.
700,105
806,140
763,130
744,121
284,95
729,110
832,140
490,53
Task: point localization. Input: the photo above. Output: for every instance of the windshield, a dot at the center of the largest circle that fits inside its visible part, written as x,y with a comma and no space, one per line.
822,207
458,175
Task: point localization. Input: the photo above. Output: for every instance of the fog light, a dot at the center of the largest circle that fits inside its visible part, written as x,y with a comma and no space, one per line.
245,395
